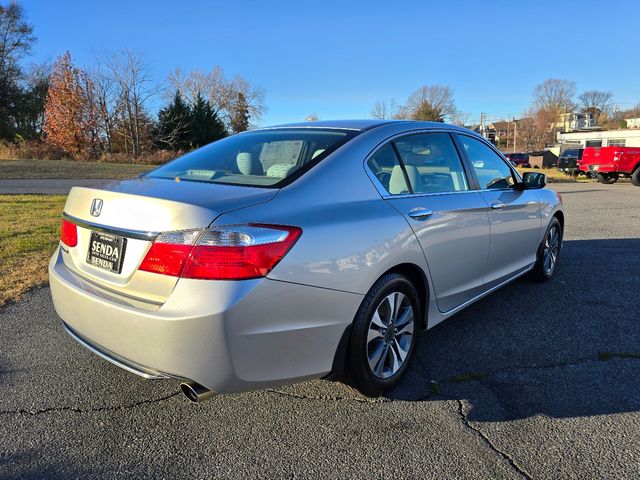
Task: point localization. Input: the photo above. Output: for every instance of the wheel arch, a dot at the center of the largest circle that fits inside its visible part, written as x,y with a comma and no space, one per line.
419,279
559,214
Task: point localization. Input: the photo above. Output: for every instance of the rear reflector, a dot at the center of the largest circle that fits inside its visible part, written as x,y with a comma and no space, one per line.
236,252
69,233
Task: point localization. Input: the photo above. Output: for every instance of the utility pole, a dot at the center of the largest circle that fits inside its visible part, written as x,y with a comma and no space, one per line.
515,134
482,114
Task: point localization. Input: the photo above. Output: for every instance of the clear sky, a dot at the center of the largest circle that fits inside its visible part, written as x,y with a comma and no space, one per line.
337,58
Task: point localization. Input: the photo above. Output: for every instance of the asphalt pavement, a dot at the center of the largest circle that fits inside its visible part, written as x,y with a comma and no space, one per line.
534,381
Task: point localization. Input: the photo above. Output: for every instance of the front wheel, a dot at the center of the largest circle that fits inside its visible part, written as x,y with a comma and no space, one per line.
548,252
635,177
384,335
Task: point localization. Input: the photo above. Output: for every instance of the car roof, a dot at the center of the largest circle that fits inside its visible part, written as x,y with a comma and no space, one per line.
363,124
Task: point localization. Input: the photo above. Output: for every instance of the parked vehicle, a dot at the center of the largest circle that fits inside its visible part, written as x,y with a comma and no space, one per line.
300,251
608,164
569,161
519,159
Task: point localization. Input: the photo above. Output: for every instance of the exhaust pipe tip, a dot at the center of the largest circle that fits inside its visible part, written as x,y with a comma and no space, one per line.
196,392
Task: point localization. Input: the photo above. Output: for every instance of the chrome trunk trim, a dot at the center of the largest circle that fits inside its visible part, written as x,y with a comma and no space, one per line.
122,232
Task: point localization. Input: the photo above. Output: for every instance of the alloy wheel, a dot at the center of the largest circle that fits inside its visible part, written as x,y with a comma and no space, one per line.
551,250
390,335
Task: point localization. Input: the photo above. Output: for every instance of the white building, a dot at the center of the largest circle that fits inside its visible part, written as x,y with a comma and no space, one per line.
606,138
633,122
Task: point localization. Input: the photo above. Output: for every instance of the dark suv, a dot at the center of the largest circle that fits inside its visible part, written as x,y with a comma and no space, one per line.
518,159
569,161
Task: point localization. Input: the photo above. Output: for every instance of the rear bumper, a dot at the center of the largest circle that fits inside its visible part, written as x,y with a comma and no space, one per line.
598,168
228,336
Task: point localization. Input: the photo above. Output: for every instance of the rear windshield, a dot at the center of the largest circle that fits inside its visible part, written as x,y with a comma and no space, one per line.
262,158
570,153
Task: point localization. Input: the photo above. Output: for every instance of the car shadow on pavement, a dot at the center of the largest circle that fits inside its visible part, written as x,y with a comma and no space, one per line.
565,348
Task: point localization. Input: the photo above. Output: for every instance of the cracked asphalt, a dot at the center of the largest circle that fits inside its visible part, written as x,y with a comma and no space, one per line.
534,381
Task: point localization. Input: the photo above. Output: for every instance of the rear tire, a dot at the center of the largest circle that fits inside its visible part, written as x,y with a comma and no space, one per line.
635,177
548,252
384,335
606,178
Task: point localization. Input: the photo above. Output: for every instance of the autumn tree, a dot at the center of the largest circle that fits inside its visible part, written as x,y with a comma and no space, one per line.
70,119
429,103
595,102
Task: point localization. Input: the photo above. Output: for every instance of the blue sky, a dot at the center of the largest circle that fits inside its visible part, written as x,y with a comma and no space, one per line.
337,58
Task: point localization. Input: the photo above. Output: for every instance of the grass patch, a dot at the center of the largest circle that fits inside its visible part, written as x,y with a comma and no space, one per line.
555,176
29,233
29,169
468,377
604,356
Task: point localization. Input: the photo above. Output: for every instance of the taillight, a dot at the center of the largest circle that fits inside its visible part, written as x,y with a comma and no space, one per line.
69,233
221,253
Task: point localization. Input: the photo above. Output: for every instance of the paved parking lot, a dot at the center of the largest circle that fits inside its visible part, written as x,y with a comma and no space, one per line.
535,381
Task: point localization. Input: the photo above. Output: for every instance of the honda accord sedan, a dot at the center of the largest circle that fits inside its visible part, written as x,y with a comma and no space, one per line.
310,250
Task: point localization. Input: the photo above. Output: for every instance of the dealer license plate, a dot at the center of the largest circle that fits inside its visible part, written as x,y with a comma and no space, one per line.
106,251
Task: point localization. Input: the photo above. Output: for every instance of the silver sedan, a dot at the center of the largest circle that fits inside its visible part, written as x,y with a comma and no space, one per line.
310,250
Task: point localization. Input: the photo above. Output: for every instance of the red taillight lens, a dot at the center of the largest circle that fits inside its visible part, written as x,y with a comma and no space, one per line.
166,259
221,253
69,233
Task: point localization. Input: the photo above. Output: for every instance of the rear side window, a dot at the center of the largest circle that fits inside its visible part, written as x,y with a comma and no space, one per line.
387,169
432,163
491,170
263,158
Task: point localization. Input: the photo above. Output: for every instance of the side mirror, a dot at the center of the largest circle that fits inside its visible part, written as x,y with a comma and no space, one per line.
533,180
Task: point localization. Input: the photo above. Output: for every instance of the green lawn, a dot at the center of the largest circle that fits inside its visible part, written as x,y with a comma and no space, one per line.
68,169
29,233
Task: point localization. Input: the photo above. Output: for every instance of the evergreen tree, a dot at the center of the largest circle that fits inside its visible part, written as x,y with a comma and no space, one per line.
174,125
239,114
206,126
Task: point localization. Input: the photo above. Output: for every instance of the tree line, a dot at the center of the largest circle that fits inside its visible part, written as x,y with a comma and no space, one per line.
539,123
104,110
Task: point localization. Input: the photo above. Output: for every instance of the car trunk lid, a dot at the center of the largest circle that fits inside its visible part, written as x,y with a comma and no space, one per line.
126,216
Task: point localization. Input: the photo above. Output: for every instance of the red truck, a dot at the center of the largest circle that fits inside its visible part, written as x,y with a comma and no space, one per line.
608,164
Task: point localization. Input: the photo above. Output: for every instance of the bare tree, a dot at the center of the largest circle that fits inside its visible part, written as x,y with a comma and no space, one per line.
134,86
595,102
231,99
460,118
554,96
429,103
383,109
106,95
16,37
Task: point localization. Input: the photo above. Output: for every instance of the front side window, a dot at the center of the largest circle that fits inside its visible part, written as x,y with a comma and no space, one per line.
491,170
263,158
432,163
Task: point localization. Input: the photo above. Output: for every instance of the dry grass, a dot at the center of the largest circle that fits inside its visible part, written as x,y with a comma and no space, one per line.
554,175
29,233
68,169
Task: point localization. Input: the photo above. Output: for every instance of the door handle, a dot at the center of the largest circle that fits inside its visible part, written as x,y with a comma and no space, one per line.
420,213
497,206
